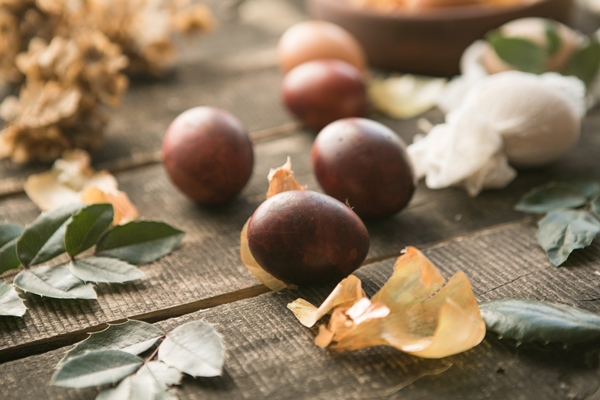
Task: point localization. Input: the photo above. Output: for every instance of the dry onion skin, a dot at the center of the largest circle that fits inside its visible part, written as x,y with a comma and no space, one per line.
68,61
71,179
510,119
405,96
280,180
413,312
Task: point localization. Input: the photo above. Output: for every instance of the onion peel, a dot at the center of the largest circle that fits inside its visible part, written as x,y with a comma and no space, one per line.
280,180
71,179
346,293
413,312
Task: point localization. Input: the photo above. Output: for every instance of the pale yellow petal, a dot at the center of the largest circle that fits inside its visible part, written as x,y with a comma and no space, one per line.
346,293
267,279
282,180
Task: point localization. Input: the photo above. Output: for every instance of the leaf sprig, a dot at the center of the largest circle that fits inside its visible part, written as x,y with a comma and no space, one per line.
572,219
74,229
537,321
529,56
141,359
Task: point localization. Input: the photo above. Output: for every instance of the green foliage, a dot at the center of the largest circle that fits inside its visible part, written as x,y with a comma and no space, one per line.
527,56
139,242
104,269
56,282
111,357
96,368
194,348
8,247
75,228
151,381
561,232
44,239
133,337
10,302
531,321
569,224
553,196
522,54
552,37
86,226
585,62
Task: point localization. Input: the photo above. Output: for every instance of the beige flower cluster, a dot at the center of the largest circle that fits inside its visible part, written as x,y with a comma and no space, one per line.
70,59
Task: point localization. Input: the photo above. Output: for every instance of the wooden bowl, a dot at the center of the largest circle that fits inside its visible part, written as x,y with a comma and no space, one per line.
429,42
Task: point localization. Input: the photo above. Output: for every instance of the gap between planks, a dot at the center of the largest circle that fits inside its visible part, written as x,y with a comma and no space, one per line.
53,343
14,187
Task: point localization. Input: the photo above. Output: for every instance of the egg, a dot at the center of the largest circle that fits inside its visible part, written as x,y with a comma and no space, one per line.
313,40
536,30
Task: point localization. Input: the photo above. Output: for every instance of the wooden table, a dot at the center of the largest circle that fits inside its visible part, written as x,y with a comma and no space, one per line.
269,354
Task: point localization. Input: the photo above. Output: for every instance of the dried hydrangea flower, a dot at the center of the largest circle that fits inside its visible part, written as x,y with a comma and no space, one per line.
72,56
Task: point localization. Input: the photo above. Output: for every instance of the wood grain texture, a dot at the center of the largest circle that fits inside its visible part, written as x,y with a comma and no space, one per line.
270,355
208,263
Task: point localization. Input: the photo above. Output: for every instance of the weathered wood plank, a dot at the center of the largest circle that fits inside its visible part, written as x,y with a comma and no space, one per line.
208,265
270,355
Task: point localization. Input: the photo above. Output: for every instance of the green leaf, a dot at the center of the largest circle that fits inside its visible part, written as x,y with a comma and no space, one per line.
104,269
150,382
8,251
56,282
103,367
8,256
44,238
133,337
552,37
194,348
561,232
139,242
549,197
86,227
10,302
596,205
9,232
587,187
531,321
520,53
585,62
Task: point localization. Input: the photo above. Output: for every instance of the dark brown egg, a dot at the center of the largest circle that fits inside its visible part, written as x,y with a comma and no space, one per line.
322,91
304,237
365,163
208,154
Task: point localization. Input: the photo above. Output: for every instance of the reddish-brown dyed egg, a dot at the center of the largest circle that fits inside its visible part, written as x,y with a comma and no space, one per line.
304,237
365,163
208,155
322,91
